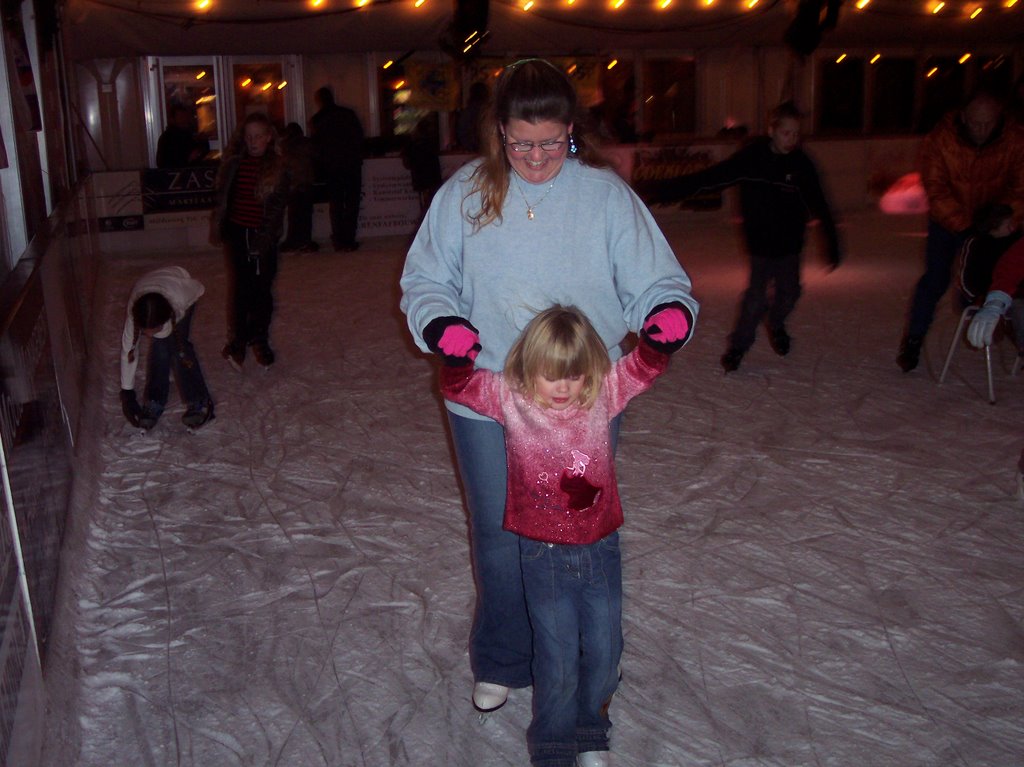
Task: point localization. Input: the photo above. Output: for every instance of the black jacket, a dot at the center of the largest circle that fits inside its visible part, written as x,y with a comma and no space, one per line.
779,194
337,137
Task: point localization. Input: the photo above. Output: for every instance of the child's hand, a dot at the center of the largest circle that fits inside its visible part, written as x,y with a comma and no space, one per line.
130,407
453,338
667,327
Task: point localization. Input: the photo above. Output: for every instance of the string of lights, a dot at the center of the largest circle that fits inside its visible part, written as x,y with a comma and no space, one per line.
618,18
212,11
262,11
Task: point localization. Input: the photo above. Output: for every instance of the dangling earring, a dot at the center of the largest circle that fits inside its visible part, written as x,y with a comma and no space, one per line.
573,148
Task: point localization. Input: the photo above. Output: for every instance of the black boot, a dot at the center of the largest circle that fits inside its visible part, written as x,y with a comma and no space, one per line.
780,341
263,353
731,360
234,353
910,353
196,415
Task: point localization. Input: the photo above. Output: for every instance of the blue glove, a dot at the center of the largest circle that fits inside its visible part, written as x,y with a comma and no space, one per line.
983,324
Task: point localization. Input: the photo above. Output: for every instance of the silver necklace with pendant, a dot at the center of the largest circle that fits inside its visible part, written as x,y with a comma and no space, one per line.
529,207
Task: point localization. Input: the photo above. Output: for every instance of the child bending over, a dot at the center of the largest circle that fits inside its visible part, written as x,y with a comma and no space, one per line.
161,306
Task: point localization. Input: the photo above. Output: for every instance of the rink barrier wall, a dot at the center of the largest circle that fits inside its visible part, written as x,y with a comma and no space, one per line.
45,303
163,210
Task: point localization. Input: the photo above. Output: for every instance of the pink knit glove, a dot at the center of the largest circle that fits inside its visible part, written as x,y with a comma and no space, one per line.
459,341
667,326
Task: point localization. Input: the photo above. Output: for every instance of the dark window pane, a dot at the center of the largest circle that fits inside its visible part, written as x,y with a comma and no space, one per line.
944,82
613,117
669,97
259,88
841,96
994,73
191,87
892,102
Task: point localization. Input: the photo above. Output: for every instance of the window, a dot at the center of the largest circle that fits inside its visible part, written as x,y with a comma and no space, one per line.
419,90
841,95
994,73
191,88
669,97
892,95
259,87
613,111
945,82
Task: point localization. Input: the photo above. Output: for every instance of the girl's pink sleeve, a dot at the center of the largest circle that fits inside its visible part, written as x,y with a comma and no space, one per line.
477,389
633,375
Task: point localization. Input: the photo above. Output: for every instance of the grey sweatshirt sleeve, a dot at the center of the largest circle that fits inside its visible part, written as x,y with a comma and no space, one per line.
431,280
645,270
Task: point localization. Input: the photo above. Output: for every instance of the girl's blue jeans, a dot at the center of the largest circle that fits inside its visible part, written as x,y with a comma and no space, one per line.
574,598
500,642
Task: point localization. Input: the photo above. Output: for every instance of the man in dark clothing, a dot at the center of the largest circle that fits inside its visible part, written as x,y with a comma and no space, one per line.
178,146
973,157
779,192
337,139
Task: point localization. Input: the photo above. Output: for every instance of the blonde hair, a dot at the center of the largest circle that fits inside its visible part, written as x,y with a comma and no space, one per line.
558,343
533,90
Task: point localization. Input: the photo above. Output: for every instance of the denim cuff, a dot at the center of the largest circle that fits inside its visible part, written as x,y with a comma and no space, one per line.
591,739
552,755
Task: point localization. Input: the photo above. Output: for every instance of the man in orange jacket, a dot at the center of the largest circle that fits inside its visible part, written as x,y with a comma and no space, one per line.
973,157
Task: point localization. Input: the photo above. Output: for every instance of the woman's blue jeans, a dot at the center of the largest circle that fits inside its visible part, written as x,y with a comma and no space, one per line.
574,598
500,645
501,641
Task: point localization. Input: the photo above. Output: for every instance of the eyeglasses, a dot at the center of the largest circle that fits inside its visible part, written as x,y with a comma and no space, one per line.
526,146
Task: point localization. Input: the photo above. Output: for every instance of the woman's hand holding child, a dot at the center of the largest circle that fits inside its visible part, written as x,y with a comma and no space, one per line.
667,327
453,338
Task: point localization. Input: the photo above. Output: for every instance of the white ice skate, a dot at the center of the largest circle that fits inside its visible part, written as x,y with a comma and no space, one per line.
488,696
594,759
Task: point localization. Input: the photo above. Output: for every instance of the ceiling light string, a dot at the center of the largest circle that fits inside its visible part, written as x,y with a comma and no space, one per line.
742,13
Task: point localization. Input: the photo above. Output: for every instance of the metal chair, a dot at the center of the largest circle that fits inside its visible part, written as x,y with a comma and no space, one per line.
965,320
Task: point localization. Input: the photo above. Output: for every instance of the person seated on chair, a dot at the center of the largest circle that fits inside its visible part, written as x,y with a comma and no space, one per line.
1005,297
995,231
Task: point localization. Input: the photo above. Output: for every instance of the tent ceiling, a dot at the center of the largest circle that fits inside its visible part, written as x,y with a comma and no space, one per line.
115,28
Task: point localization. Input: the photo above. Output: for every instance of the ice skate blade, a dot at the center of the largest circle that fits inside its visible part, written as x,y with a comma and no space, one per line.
200,427
485,712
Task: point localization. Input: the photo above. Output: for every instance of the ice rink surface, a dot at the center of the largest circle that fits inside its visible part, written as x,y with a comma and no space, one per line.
823,556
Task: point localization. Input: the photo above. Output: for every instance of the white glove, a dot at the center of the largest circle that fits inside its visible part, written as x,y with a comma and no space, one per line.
983,325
